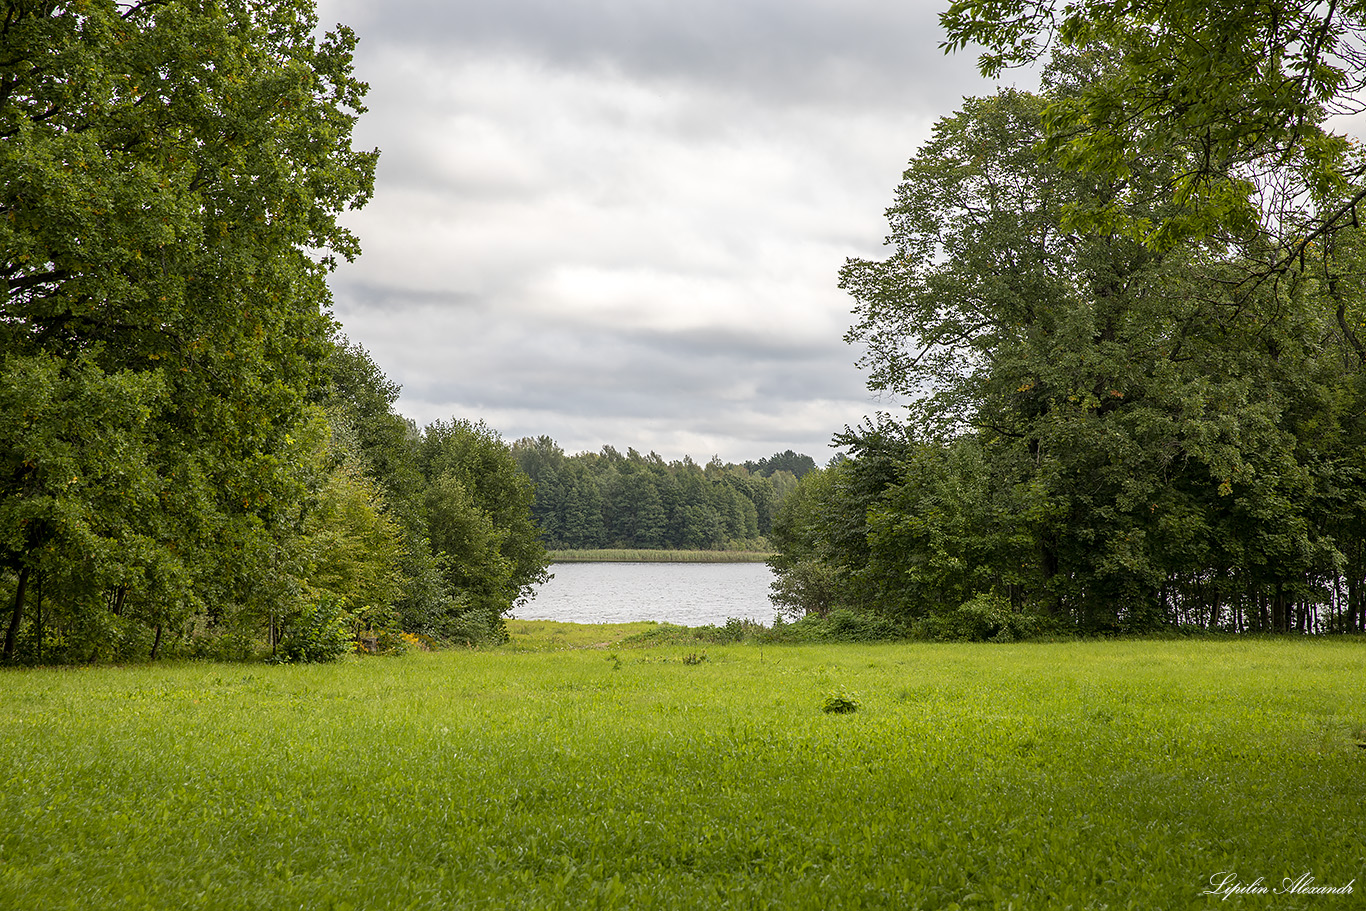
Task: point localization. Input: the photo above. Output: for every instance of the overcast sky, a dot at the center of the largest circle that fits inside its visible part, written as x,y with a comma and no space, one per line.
621,221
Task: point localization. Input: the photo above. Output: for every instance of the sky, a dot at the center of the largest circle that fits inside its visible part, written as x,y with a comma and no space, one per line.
621,222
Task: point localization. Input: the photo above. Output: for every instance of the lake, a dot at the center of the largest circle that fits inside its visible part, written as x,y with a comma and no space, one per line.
689,594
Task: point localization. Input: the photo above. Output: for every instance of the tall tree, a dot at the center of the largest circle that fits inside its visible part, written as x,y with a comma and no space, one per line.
1241,88
171,175
1099,427
479,505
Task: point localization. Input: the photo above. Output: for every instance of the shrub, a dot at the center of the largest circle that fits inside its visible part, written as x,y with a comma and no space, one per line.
475,628
665,634
843,625
840,625
321,633
233,646
986,617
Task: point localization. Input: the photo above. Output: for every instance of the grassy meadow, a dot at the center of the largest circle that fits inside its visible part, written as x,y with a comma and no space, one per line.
565,772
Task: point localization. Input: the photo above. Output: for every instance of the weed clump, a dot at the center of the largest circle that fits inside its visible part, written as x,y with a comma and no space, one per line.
840,703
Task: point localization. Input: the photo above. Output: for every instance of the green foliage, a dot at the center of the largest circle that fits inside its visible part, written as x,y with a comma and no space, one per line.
1109,435
640,555
840,702
840,625
793,463
458,506
806,587
478,508
171,175
550,635
985,618
844,625
189,454
321,632
354,550
615,501
1247,117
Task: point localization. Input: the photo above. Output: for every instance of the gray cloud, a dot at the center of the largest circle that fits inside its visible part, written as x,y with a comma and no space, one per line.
846,51
621,223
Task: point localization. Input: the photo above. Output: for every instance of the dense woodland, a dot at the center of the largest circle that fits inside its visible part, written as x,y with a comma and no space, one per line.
191,460
608,499
1128,315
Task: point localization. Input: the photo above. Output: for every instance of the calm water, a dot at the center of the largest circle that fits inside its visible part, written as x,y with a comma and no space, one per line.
689,594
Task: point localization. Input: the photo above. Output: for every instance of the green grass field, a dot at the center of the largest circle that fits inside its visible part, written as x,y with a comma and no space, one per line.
550,775
626,555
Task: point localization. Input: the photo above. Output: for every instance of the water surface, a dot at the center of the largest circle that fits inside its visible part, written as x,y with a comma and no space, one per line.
689,594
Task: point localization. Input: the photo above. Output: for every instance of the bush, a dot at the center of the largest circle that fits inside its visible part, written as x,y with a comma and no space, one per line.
665,634
840,625
475,628
735,630
322,633
987,617
846,626
233,646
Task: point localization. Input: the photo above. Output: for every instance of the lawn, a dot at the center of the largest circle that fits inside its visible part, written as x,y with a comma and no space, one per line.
1068,775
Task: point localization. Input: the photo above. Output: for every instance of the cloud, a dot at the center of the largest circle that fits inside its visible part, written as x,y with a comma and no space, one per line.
622,223
825,51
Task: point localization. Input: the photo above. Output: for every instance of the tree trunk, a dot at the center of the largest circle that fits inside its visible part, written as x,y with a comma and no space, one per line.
38,614
156,644
18,616
120,594
1356,605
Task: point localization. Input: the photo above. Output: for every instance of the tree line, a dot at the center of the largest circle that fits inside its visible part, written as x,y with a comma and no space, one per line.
607,499
1134,354
191,460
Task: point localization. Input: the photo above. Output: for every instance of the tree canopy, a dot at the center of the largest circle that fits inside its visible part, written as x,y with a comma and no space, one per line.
607,499
1241,90
170,179
188,458
1103,432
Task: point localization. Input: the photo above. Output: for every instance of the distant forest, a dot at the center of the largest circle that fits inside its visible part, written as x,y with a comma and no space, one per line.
607,499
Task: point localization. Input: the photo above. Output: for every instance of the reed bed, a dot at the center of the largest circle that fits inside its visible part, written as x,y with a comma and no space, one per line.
625,555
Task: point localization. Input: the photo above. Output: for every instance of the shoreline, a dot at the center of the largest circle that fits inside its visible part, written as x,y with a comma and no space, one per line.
636,555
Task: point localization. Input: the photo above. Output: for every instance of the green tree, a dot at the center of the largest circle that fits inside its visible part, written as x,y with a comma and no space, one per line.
1241,89
811,571
478,506
636,511
583,524
1099,429
796,463
170,179
543,462
368,434
351,551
